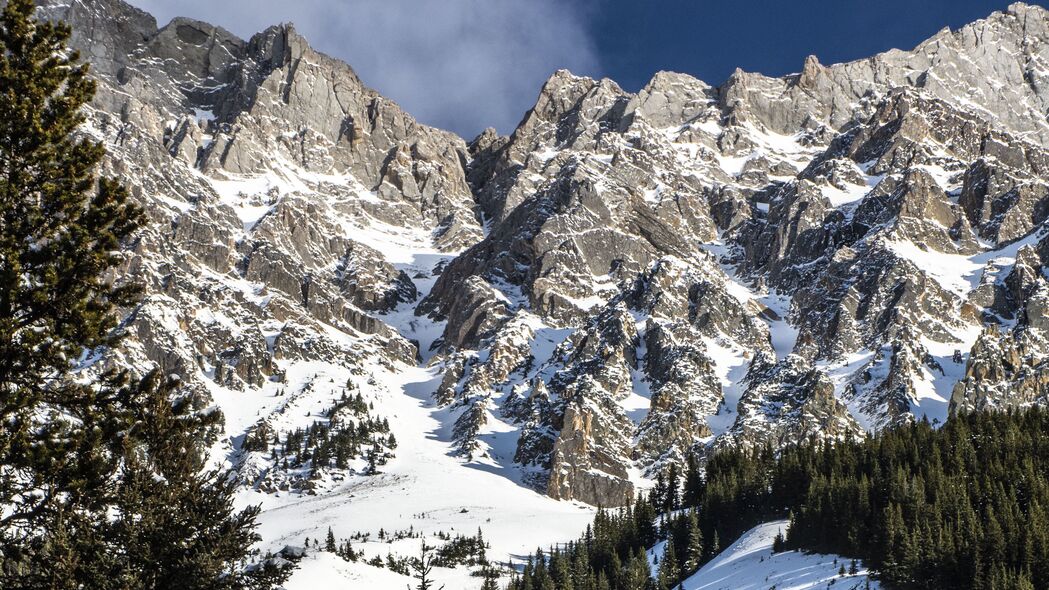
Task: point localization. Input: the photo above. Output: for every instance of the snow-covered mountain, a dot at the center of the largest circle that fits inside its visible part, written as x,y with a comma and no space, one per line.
543,320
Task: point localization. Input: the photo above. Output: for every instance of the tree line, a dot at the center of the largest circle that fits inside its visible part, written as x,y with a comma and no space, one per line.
962,506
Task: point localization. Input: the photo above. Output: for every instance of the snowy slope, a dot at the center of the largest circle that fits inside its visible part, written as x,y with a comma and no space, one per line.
426,487
750,564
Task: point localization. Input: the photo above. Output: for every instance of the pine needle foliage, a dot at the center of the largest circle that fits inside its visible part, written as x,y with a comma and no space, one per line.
102,480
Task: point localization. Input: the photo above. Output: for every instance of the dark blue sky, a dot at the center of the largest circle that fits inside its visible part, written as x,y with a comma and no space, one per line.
709,39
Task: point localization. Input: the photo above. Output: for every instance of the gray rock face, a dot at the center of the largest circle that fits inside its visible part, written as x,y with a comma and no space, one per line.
592,377
990,64
861,216
279,190
787,402
1003,373
824,254
581,471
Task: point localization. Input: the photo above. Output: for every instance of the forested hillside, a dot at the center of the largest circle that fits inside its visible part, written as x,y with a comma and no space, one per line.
962,506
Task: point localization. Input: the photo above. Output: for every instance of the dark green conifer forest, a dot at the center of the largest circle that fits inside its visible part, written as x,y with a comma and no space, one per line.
963,506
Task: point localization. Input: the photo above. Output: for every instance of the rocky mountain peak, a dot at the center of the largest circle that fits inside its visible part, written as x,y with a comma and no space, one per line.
844,186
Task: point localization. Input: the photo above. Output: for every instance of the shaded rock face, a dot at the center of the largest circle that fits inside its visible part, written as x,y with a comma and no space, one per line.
624,279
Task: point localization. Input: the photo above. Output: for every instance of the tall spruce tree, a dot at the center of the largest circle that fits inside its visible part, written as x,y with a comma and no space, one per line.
61,440
694,547
101,482
669,569
176,528
693,491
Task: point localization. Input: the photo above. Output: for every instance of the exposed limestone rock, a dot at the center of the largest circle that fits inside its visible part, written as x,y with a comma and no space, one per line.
1003,372
579,471
788,402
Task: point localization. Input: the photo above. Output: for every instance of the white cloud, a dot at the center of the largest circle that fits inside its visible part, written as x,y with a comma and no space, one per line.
457,64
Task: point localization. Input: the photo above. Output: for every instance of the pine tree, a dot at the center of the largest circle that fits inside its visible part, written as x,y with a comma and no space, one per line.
715,546
560,571
645,522
100,482
779,543
637,574
658,495
422,566
373,460
56,241
673,486
491,579
694,550
329,541
669,570
481,556
175,526
693,492
60,438
582,573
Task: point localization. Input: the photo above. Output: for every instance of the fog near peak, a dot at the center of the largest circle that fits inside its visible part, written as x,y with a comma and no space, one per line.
462,65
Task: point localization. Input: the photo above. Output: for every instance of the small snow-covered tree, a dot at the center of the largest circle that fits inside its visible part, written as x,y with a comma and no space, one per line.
329,542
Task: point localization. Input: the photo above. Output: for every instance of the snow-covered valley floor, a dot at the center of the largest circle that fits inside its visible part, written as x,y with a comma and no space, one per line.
426,488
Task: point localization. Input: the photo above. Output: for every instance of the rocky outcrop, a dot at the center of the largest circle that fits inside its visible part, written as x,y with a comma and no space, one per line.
787,402
581,470
1003,373
951,65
